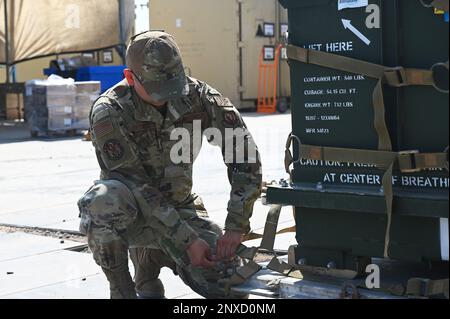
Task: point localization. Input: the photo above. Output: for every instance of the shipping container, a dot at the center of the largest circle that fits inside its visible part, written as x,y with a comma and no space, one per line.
221,42
348,121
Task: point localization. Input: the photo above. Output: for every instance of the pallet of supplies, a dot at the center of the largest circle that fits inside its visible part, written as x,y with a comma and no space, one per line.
59,106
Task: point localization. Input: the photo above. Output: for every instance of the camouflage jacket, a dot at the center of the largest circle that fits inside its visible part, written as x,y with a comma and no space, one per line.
133,139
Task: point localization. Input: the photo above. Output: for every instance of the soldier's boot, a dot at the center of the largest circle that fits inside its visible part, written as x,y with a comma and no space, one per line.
153,289
107,209
121,284
148,263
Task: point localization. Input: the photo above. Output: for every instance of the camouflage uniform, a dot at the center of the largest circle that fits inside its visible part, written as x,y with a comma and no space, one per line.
144,201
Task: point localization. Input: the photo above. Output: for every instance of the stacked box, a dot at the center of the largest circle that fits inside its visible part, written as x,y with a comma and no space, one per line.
60,101
58,104
48,105
86,94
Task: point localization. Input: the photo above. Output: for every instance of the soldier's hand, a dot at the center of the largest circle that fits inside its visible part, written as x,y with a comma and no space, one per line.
200,254
228,245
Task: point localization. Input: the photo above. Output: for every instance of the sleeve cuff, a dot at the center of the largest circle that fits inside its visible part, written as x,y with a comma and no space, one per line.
237,223
185,236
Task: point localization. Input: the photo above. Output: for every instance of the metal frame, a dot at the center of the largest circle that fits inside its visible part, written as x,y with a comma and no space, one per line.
5,3
120,46
272,285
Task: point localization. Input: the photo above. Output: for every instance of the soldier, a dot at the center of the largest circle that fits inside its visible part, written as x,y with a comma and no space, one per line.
143,202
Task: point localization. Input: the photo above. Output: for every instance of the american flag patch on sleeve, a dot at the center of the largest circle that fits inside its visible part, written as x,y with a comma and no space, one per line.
102,128
223,101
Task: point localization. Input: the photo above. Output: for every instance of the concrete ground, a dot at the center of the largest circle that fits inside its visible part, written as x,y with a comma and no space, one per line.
41,181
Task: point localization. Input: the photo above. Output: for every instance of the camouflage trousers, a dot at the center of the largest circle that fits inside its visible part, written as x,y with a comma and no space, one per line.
115,226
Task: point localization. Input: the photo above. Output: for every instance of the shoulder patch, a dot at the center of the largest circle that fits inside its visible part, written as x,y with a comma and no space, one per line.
100,110
114,150
102,128
223,101
230,119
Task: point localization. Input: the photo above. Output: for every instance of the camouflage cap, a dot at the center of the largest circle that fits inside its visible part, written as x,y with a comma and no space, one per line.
155,58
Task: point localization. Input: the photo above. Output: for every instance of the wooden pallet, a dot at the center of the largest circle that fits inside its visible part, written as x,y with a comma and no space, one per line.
58,134
14,106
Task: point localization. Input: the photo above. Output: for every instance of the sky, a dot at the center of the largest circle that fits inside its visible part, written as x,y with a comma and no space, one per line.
142,16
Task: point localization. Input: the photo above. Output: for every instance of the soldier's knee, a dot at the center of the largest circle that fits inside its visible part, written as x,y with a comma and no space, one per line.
108,203
110,253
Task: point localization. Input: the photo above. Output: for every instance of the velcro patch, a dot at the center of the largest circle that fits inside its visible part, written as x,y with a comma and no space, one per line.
114,150
223,101
102,128
230,119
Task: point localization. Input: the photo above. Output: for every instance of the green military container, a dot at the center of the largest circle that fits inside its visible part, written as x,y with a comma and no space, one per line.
345,139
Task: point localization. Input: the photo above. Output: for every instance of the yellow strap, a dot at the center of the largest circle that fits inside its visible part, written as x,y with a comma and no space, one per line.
253,236
241,275
246,253
270,229
413,161
346,155
389,196
334,61
384,139
393,76
299,271
383,75
244,273
408,161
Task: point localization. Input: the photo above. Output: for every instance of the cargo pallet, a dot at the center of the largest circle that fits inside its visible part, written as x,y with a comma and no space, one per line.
273,285
58,133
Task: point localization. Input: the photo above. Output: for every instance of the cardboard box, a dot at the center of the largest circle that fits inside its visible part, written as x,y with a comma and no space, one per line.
14,106
60,104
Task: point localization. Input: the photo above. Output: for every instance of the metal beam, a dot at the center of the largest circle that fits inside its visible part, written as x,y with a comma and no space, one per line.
122,29
5,5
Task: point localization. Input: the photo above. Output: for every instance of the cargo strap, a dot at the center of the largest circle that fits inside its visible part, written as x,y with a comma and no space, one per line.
420,287
253,236
244,273
395,77
299,271
408,162
438,4
416,286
